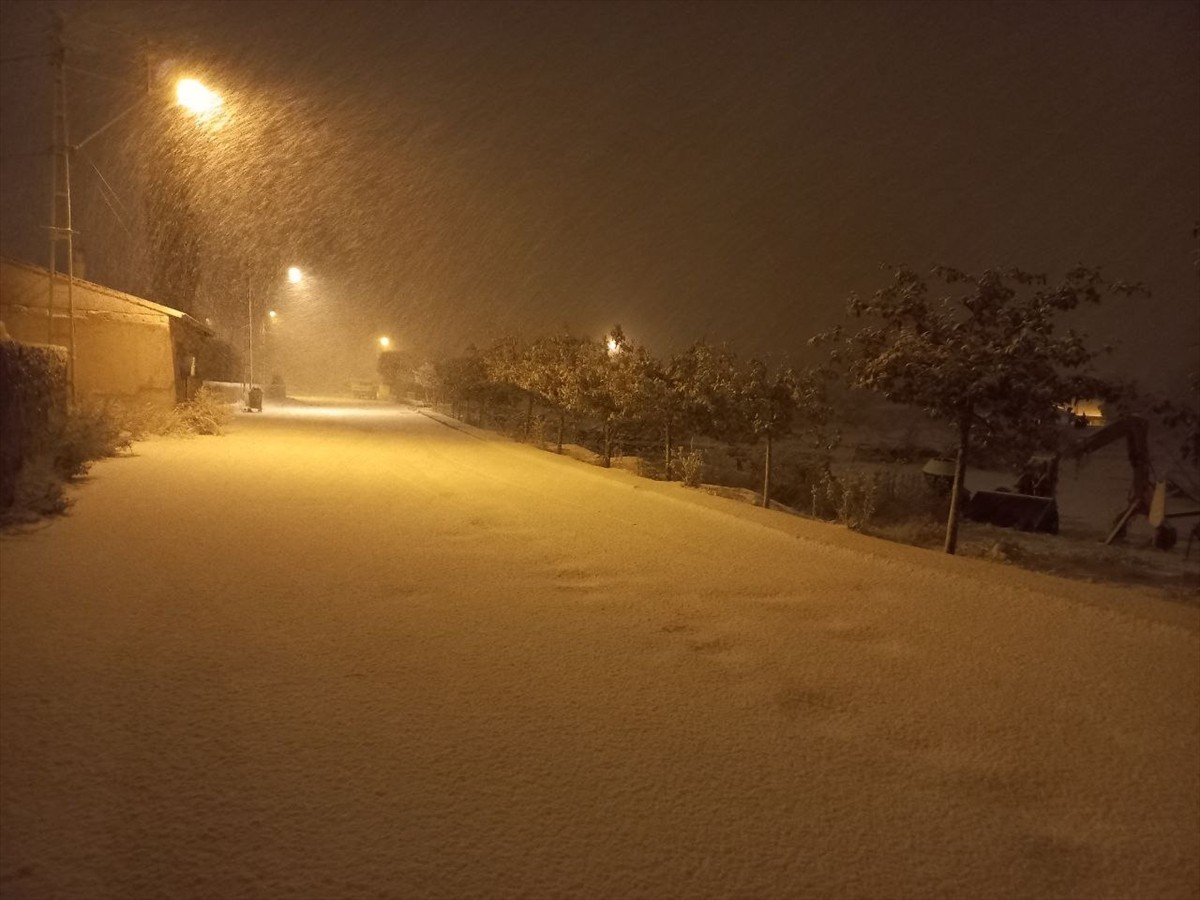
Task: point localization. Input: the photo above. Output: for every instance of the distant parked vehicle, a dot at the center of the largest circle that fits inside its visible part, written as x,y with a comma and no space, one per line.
364,390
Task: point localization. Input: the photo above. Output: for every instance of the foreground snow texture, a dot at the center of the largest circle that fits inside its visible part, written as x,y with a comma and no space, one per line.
356,653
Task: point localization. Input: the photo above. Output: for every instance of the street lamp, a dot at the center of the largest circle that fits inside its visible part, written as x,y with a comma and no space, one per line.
190,94
196,98
385,342
294,276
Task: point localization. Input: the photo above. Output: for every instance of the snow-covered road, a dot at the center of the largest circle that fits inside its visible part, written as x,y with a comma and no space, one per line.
351,652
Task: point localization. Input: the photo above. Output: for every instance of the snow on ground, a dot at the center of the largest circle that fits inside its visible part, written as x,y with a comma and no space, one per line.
354,653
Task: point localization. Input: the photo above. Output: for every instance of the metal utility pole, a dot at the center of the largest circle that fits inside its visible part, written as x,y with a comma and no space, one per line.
60,196
250,329
254,395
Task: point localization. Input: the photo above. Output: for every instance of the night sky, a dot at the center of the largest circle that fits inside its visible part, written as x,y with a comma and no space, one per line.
448,172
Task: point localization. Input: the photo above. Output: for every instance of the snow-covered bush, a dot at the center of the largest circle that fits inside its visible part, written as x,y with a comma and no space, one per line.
33,401
66,447
38,491
900,496
89,432
858,499
853,497
687,465
206,413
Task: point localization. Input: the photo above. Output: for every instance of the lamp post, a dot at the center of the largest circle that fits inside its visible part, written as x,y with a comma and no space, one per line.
294,276
386,368
190,94
270,344
249,336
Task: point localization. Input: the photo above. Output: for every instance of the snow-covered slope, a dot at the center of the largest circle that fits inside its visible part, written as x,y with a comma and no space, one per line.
355,653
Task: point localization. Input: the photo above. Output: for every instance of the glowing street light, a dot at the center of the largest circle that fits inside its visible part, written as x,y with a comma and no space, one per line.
196,98
272,317
613,346
385,342
189,93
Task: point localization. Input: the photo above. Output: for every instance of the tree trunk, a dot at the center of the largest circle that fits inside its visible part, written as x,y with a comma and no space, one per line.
956,493
607,444
528,416
766,500
562,417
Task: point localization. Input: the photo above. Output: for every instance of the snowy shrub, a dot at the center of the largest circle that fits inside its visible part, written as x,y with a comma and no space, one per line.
687,465
89,432
917,532
858,499
849,500
854,497
66,445
734,467
804,483
206,413
905,495
33,401
38,492
145,420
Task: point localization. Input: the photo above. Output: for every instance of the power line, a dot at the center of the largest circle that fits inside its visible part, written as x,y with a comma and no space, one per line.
111,190
91,162
102,76
75,47
113,30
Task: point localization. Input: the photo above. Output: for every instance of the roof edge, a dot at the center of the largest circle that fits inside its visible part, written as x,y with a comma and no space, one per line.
111,292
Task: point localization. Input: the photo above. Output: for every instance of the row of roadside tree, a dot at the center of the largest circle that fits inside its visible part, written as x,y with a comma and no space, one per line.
987,354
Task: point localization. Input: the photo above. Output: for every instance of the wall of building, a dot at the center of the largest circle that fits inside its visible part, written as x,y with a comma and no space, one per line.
123,344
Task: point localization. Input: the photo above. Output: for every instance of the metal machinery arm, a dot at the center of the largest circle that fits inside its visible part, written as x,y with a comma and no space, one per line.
1135,430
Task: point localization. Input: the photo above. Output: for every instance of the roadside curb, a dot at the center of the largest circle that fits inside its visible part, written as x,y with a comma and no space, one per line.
455,425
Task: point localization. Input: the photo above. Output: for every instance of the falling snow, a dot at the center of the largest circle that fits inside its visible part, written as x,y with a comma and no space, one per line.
449,173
